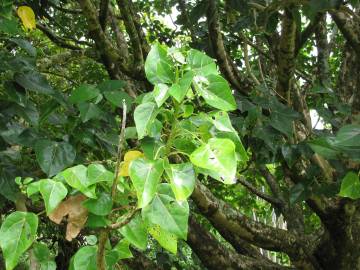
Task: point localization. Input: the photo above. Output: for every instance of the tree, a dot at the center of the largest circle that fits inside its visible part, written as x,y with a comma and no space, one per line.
198,134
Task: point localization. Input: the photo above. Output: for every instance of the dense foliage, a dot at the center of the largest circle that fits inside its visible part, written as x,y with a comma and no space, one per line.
179,134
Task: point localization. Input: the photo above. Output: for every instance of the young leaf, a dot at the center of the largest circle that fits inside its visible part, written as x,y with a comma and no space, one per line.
100,206
180,89
77,178
350,186
161,93
145,176
144,115
182,179
53,193
17,233
122,249
216,92
54,156
158,65
135,232
218,155
168,213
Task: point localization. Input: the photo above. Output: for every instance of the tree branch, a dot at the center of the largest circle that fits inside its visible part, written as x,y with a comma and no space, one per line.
103,13
215,256
226,66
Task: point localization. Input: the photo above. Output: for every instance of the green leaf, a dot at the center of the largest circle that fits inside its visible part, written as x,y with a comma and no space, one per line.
144,115
168,213
182,179
85,258
100,206
84,93
48,265
123,250
216,92
95,221
218,156
17,233
348,136
89,111
34,81
166,240
98,173
161,93
33,188
200,63
135,232
54,156
26,45
111,85
53,193
324,147
76,177
180,89
350,186
145,176
116,97
41,251
158,65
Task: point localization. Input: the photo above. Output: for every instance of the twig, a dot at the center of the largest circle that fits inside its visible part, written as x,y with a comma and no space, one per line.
258,193
122,223
247,64
120,144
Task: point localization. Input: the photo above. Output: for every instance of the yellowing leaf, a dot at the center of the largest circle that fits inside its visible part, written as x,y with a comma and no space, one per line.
129,156
166,240
27,17
76,212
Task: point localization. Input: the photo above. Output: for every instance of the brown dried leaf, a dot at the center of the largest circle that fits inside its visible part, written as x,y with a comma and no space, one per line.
76,212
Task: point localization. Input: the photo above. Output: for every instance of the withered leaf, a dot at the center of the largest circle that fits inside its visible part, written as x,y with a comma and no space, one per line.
77,215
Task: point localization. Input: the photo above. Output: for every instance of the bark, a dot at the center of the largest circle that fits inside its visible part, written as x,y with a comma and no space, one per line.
215,256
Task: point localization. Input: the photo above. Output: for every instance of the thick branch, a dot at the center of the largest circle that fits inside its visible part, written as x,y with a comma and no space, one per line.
226,66
223,216
103,13
286,55
347,28
215,256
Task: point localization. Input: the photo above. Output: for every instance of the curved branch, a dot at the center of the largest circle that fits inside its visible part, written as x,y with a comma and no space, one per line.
215,256
227,67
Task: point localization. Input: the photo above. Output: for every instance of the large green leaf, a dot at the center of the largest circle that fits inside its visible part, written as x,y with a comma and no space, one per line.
182,179
168,213
348,136
161,93
144,115
158,65
17,233
216,92
54,156
100,206
135,232
53,193
218,156
145,176
350,186
200,63
85,258
84,93
76,177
